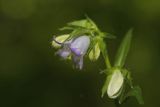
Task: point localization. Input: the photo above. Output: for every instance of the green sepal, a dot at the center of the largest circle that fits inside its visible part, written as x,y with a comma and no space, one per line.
105,86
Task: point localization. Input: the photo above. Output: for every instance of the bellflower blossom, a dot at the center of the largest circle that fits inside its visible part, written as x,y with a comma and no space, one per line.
76,48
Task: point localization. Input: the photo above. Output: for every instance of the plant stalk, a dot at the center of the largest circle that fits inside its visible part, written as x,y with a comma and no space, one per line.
107,61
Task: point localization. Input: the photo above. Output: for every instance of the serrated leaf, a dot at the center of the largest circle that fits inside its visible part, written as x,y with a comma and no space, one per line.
137,93
123,49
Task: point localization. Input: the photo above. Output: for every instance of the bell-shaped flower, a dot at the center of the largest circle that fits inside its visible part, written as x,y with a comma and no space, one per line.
76,48
115,84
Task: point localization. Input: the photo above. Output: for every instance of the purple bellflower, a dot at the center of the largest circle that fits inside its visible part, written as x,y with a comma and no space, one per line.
76,48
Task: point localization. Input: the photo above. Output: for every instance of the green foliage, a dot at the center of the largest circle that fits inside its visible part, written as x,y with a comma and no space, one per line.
135,92
127,89
123,49
130,90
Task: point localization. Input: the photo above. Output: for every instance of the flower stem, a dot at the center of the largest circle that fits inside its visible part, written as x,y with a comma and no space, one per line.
107,61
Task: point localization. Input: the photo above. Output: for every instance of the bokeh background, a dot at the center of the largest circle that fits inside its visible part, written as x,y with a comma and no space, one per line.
32,76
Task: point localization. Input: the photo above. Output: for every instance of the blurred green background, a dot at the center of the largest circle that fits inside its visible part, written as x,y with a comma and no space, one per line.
32,76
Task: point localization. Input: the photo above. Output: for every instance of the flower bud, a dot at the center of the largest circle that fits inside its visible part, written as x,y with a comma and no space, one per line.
94,53
59,39
115,84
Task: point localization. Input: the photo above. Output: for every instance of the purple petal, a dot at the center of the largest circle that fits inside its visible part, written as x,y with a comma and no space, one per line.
76,51
80,45
63,53
75,59
78,61
81,63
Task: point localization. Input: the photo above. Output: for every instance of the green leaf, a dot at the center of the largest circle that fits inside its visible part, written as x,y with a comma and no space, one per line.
123,49
137,93
134,92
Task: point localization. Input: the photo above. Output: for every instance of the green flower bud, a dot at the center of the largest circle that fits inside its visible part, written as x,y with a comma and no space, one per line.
115,84
60,39
94,53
